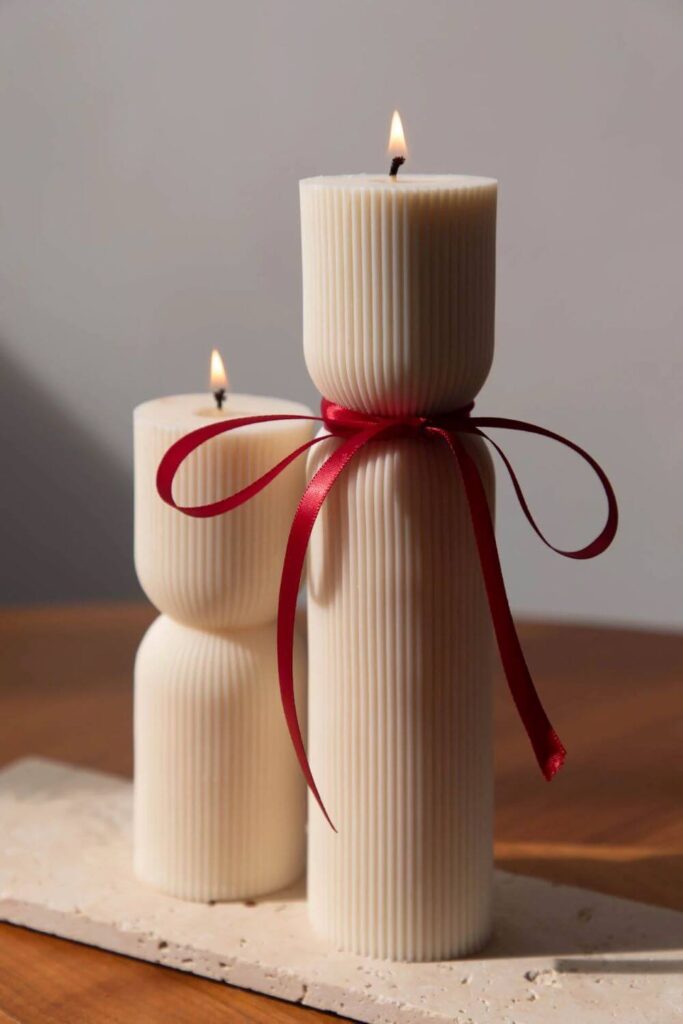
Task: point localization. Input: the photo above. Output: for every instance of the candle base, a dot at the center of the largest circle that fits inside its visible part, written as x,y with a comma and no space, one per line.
219,799
400,645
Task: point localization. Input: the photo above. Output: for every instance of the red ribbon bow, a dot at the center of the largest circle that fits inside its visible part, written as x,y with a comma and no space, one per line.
358,429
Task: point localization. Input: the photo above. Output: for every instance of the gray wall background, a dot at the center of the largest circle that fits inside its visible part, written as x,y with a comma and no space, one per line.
150,151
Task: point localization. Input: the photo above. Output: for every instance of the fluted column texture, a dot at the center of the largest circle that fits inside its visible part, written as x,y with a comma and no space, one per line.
399,280
219,798
400,710
399,283
219,805
223,572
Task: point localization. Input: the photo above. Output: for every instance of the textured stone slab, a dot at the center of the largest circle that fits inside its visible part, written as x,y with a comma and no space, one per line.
559,954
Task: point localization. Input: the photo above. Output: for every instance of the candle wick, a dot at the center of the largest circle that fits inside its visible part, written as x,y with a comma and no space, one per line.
219,395
395,164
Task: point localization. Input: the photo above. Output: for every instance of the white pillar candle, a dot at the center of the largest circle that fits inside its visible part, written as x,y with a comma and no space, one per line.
219,801
398,282
222,572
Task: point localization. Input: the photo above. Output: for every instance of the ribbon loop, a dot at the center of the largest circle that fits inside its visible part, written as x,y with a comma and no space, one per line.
182,448
599,543
356,430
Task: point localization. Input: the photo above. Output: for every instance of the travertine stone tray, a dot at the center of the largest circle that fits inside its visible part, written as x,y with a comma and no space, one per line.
559,954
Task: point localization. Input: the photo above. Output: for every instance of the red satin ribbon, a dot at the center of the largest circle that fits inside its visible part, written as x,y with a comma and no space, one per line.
357,430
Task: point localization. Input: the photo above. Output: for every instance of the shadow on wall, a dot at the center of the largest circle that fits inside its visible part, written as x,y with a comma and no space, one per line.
66,508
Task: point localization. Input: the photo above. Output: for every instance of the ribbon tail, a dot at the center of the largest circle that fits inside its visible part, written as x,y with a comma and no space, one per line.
295,555
548,748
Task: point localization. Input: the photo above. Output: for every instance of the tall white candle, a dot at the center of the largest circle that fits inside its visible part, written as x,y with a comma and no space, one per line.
398,278
219,800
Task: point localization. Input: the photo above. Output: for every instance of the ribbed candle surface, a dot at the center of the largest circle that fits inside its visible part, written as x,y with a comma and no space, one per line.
219,798
398,289
398,286
400,710
219,801
222,572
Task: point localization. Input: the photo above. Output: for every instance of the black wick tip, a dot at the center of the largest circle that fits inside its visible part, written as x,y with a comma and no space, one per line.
395,164
219,395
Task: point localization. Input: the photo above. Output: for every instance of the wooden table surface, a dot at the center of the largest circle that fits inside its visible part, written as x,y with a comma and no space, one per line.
610,821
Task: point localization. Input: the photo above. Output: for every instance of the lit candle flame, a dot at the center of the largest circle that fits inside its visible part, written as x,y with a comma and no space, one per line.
219,378
397,140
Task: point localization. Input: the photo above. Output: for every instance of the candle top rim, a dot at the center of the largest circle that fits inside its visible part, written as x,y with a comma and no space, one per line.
195,408
403,181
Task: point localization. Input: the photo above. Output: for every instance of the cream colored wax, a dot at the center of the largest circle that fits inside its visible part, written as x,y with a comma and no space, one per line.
219,804
219,799
399,283
223,572
398,278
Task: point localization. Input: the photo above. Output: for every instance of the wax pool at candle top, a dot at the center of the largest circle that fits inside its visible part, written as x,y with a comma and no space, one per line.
403,181
181,412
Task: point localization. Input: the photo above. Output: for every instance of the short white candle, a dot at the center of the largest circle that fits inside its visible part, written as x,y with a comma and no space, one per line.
219,799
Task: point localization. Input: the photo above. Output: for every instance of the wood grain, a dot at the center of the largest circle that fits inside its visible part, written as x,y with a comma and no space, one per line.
611,821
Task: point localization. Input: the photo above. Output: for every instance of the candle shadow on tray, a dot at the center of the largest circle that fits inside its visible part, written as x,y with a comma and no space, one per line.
67,510
534,917
601,965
